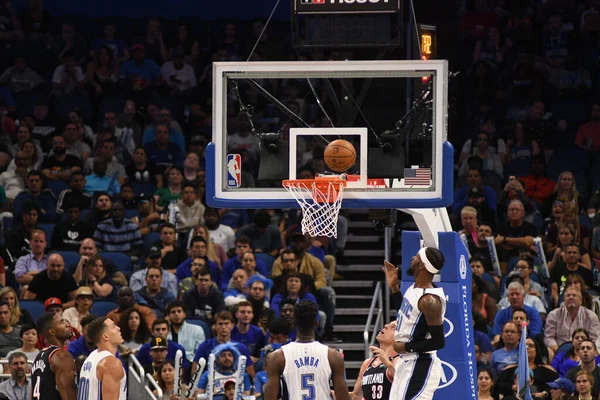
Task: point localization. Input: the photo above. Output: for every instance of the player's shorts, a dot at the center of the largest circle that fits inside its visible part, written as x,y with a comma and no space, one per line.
416,377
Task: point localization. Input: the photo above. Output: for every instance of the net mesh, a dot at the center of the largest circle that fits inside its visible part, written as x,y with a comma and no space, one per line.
320,201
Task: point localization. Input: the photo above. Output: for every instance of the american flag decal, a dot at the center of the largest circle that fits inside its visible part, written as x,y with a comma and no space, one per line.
417,176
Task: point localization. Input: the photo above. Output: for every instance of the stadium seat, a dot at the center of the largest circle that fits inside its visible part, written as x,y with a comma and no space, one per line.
143,188
101,307
70,257
57,186
35,308
66,104
201,323
121,261
48,229
267,259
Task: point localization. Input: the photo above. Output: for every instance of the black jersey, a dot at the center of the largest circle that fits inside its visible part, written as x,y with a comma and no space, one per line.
42,377
375,381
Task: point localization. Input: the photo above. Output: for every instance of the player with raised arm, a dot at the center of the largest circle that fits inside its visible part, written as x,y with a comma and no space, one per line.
420,330
302,369
102,375
376,374
53,371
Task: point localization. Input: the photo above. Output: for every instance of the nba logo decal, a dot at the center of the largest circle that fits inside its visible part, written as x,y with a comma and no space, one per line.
234,170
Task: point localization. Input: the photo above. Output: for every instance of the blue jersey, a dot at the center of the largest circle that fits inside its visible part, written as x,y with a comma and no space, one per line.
254,339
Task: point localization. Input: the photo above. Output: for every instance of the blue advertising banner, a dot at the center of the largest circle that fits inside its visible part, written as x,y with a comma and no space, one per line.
459,367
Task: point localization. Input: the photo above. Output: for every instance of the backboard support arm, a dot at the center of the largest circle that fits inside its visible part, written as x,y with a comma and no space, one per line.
430,222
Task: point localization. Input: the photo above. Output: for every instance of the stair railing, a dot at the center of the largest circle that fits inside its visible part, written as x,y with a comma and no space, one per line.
376,307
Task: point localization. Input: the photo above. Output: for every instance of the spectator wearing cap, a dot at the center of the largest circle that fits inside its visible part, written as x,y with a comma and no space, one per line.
263,237
191,210
35,193
161,152
570,316
560,389
165,117
18,238
83,346
37,261
153,260
84,298
189,336
69,234
198,248
99,181
224,235
149,220
119,234
178,75
153,295
53,282
515,235
142,170
74,194
461,196
158,353
171,254
54,306
160,330
125,302
140,72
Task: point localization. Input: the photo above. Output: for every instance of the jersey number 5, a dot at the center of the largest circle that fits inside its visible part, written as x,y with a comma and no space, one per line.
308,385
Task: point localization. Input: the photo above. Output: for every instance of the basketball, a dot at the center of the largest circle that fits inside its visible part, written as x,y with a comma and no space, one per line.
340,155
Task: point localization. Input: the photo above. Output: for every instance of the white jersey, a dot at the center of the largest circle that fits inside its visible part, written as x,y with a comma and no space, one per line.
307,372
90,387
411,322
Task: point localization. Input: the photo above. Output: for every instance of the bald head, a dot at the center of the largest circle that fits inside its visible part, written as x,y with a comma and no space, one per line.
56,267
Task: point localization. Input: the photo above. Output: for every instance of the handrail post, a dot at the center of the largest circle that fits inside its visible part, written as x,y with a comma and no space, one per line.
152,382
387,239
367,330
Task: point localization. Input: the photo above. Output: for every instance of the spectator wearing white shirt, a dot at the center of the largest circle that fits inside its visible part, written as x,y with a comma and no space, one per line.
187,335
14,182
178,75
219,233
191,210
68,77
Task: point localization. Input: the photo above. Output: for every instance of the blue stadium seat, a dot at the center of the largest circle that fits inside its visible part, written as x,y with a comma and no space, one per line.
143,188
66,104
201,323
101,307
112,104
57,186
48,229
121,261
35,308
267,259
131,213
71,258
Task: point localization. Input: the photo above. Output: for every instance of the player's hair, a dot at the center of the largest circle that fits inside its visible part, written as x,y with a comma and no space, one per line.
88,319
224,315
174,304
45,323
435,257
279,327
159,321
305,316
96,329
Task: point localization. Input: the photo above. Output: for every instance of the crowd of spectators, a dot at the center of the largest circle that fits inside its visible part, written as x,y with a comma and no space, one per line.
528,168
102,142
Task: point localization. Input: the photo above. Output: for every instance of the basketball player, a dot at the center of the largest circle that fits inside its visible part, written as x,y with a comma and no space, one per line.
53,371
377,373
305,366
102,376
420,330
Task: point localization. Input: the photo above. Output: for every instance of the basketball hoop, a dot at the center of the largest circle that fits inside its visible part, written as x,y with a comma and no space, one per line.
320,200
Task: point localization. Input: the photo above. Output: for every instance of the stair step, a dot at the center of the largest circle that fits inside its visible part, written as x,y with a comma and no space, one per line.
352,311
347,346
351,328
352,284
353,296
352,364
364,238
365,253
359,268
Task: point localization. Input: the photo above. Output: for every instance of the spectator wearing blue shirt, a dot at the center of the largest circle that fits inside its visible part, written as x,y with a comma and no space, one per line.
242,245
461,196
153,295
516,299
160,329
175,135
99,181
223,327
197,250
139,71
35,194
225,371
509,354
243,332
162,152
82,346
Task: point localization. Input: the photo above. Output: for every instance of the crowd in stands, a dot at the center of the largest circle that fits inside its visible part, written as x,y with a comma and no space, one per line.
528,168
102,201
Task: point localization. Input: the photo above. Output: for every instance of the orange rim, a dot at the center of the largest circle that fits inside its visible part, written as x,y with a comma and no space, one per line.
320,186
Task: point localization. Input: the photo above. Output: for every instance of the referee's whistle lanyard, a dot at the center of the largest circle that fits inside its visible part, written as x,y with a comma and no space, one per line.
24,390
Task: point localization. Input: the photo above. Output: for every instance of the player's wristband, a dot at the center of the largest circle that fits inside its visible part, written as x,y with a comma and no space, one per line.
436,342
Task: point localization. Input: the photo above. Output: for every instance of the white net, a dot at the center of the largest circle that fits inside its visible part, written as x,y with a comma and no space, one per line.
320,201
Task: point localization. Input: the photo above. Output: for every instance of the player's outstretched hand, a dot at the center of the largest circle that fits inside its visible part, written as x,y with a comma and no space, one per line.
391,276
